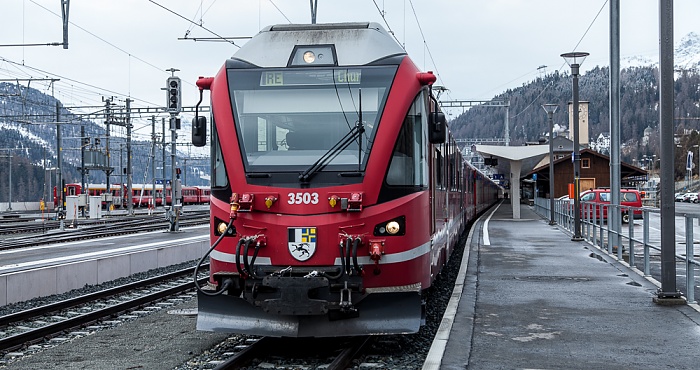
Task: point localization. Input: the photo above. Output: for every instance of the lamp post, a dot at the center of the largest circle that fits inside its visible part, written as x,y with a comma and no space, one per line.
550,109
698,146
574,60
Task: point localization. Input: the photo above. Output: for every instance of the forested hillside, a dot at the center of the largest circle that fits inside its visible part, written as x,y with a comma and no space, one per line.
638,100
28,133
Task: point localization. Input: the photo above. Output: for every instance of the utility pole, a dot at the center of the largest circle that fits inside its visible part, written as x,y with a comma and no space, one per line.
162,121
82,165
9,156
668,294
108,171
59,182
129,184
65,7
153,162
121,165
314,10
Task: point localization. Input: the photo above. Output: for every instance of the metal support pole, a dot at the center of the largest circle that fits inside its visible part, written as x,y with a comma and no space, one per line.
164,178
82,166
153,162
551,109
615,176
577,159
59,172
108,172
507,124
689,267
551,168
9,157
174,182
668,294
129,179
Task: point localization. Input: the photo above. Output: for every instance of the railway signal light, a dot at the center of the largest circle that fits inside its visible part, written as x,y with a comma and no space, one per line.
174,98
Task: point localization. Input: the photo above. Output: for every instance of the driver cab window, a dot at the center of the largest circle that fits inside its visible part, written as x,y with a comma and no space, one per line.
408,165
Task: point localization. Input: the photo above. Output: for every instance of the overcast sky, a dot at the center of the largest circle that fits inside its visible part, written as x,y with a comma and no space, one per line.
479,48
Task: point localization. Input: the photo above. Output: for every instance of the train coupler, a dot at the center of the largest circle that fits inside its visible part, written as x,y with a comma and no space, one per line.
347,309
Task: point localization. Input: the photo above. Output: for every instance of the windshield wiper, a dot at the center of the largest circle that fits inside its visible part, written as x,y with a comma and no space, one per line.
354,133
333,152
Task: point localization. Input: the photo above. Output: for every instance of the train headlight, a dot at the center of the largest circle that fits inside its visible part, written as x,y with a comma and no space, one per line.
313,55
221,227
393,227
309,57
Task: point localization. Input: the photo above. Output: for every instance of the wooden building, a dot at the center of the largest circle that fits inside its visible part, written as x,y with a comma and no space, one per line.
594,172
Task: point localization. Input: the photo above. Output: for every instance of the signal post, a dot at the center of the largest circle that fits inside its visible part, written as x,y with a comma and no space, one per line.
174,107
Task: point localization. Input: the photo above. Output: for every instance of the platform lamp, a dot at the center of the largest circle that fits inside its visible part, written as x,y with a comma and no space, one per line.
574,59
551,109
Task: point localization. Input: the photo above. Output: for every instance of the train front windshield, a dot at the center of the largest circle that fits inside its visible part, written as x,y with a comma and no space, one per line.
288,119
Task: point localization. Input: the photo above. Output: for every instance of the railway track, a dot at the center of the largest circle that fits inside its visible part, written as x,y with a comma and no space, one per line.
35,325
342,352
41,235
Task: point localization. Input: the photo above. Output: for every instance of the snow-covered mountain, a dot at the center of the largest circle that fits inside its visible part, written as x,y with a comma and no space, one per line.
686,55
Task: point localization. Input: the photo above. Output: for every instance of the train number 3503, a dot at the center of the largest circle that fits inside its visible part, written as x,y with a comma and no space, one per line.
302,198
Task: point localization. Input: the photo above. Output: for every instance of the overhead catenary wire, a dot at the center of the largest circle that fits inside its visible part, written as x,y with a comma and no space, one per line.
605,2
280,10
195,23
383,15
100,38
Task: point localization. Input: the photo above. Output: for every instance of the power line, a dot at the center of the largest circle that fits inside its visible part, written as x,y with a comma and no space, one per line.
70,79
100,38
279,10
591,25
383,15
563,64
198,25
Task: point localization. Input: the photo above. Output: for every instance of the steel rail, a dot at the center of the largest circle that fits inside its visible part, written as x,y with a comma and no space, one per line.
72,302
35,335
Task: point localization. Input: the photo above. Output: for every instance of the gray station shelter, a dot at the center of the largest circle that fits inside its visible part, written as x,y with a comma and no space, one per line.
514,160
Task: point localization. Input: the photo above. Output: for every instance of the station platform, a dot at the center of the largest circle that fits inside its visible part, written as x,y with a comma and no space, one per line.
530,298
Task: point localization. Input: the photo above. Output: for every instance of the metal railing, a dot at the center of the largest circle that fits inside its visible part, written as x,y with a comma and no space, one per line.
628,245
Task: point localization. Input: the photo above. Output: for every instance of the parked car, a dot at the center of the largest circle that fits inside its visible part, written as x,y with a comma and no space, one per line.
692,198
628,197
679,197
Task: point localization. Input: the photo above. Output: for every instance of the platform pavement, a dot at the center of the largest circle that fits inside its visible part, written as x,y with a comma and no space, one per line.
533,299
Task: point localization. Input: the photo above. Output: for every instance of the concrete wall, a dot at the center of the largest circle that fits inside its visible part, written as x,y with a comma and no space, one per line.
25,285
25,206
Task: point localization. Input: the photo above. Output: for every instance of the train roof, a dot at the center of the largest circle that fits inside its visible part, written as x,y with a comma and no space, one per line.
354,43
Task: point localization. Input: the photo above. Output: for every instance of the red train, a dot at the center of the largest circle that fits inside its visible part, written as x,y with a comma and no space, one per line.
337,193
141,194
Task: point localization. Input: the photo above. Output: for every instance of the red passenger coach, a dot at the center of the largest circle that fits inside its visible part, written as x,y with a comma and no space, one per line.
337,193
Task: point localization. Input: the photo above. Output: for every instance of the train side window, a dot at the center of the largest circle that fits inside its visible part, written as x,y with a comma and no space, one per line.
408,165
438,168
219,178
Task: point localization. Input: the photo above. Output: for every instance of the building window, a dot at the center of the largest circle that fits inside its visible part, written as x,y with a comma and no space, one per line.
585,163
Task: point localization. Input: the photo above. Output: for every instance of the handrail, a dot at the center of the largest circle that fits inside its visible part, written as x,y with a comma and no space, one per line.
625,246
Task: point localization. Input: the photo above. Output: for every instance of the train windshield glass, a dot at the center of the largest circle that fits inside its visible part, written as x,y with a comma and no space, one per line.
287,119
